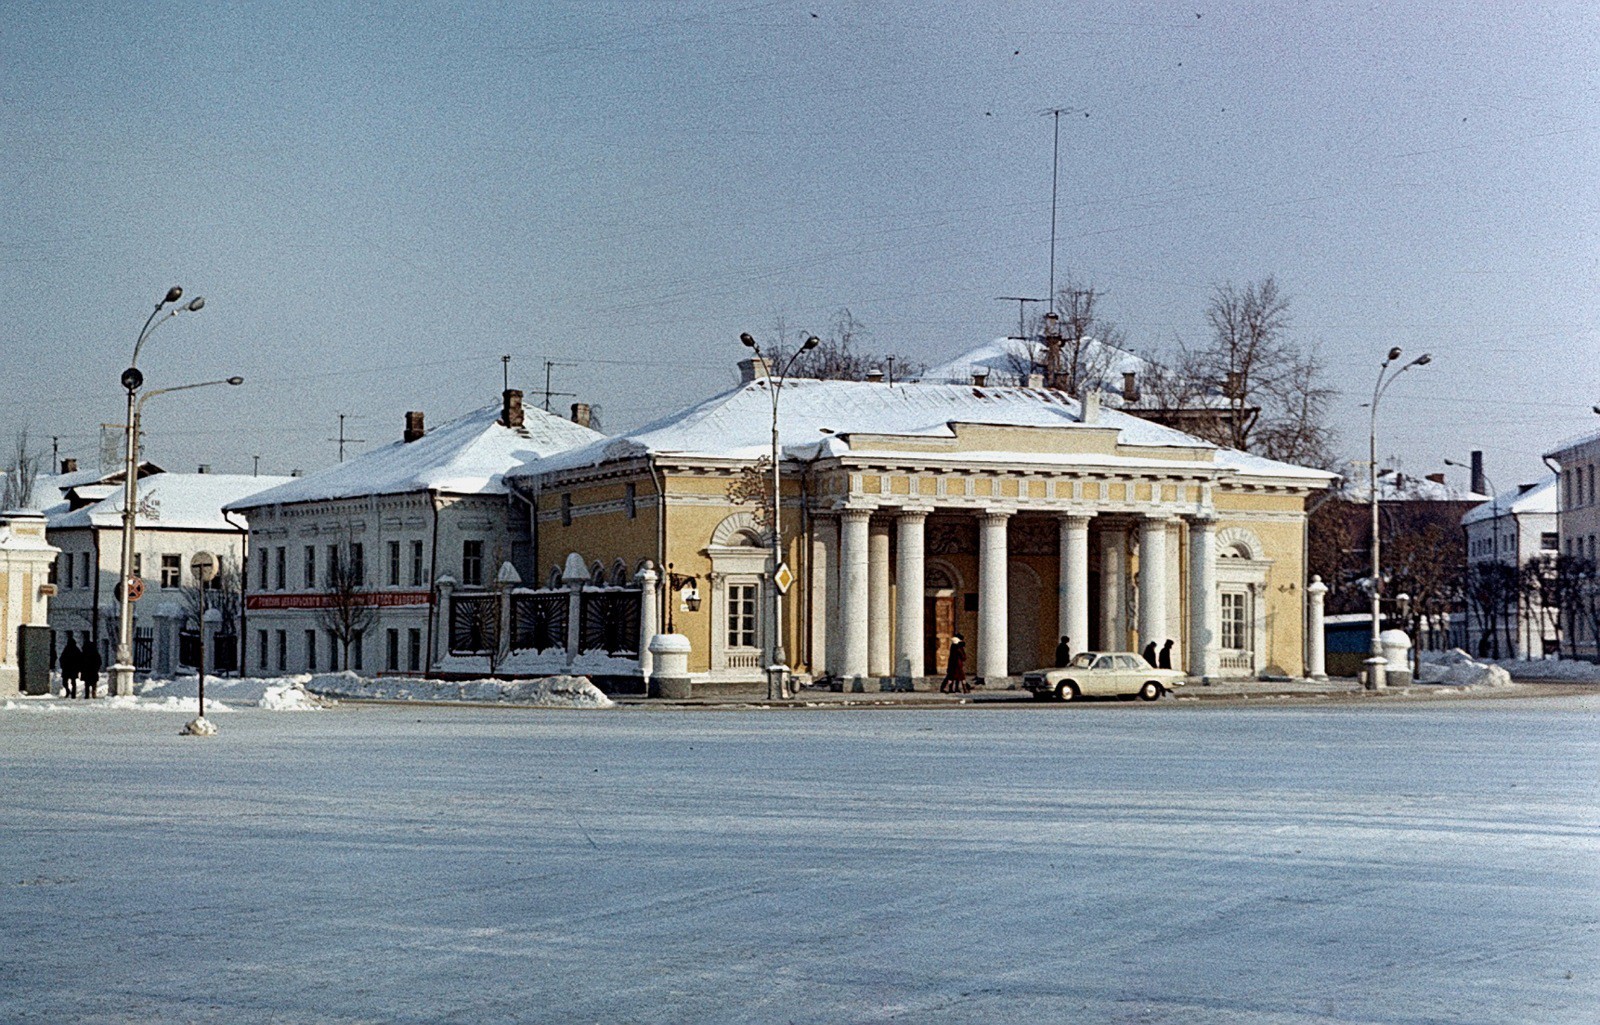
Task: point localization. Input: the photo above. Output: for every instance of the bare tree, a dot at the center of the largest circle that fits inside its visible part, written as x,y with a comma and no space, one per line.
21,472
348,613
1078,351
838,356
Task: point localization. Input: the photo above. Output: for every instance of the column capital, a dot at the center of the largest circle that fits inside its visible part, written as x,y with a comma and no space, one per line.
995,513
1202,519
1075,517
855,514
906,512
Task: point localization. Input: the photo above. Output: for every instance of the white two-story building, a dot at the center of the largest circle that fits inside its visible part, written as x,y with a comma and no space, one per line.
346,562
1514,528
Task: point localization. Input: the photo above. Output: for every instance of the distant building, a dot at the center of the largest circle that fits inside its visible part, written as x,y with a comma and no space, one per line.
1514,528
177,516
1578,517
351,558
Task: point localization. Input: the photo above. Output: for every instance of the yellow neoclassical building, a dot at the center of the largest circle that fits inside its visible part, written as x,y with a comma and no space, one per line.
913,512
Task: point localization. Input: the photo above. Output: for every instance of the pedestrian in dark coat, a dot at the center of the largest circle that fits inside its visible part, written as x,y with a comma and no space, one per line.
89,665
1150,654
1166,654
955,673
1063,651
71,665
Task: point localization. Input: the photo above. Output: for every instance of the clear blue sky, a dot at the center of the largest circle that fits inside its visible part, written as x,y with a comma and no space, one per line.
378,200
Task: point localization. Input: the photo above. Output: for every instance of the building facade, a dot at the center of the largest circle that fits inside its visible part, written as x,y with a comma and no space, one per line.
1578,530
912,513
347,563
1512,530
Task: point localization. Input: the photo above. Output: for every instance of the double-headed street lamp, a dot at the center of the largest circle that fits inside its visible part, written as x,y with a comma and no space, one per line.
1377,665
777,688
132,380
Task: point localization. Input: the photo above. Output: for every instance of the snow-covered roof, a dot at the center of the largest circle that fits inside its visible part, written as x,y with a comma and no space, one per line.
1536,498
467,456
1568,444
820,418
1406,488
1007,361
171,501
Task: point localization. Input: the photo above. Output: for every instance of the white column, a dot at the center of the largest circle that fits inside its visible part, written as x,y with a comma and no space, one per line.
1072,582
853,595
1113,588
910,572
879,662
1175,602
446,586
1203,658
1152,581
994,639
824,554
648,579
1316,647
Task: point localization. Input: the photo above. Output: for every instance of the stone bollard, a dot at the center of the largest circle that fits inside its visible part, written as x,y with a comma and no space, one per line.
1316,629
647,578
1397,651
670,678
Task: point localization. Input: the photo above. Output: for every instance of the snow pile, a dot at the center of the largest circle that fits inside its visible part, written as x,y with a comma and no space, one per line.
1456,668
273,693
1550,669
550,662
289,697
546,691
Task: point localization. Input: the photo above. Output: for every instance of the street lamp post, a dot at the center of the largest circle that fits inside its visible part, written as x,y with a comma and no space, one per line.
1377,665
122,671
779,655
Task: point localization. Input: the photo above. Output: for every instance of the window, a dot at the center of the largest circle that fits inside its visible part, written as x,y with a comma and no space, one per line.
261,649
1233,635
391,650
86,578
283,648
741,615
631,499
333,652
55,570
280,564
333,564
358,563
138,564
566,509
416,564
171,571
1548,541
311,651
472,563
394,564
414,650
310,570
355,651
261,576
1104,662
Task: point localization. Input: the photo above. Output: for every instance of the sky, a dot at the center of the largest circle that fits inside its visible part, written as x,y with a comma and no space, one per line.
378,201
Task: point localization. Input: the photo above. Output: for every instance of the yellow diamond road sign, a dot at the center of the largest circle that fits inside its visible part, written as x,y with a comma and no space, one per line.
784,578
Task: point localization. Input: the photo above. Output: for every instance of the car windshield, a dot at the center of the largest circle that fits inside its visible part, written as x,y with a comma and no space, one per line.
1084,660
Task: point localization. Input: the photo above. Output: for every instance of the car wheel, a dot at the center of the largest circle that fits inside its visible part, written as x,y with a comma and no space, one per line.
1066,691
1150,691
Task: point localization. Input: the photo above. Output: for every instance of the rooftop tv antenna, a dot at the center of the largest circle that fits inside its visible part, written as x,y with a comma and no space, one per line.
548,394
1055,177
343,440
1022,302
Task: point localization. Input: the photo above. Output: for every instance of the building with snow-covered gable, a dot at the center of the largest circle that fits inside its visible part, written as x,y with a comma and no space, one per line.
177,516
1513,529
347,562
913,512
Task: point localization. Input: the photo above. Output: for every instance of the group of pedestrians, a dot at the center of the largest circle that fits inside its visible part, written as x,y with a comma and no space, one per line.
80,663
1162,660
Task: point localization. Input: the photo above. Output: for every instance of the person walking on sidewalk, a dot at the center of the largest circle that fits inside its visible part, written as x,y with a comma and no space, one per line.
89,665
1063,652
955,674
1149,654
1165,659
71,665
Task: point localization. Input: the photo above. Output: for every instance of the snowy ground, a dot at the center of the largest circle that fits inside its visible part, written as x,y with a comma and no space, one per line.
1112,863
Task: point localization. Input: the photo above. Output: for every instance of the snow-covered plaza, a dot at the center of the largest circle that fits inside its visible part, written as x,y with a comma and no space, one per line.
1427,862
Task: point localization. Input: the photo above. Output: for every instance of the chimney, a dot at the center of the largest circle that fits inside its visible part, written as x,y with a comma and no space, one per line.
1130,386
980,376
580,414
511,408
1035,380
203,468
1091,406
750,369
302,473
414,428
875,375
1437,478
69,466
1480,483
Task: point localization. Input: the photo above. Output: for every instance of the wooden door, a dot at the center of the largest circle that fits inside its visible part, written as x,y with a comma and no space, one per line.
939,625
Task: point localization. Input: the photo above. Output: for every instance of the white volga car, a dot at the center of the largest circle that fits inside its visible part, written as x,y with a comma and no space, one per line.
1094,674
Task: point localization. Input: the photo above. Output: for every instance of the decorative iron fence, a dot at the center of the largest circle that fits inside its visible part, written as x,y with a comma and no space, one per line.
539,620
474,623
610,620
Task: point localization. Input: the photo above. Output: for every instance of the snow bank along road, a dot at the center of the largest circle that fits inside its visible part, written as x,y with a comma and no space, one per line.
1394,863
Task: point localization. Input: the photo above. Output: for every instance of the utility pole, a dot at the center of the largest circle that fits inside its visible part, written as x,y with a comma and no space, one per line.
343,441
548,394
